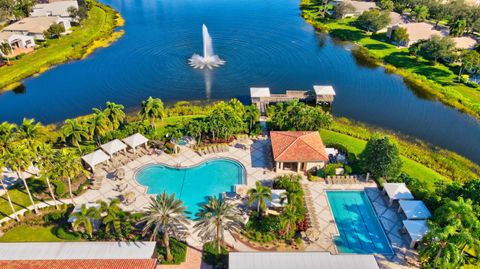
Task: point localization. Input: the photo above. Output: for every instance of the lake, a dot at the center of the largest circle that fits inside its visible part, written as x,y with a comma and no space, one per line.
265,43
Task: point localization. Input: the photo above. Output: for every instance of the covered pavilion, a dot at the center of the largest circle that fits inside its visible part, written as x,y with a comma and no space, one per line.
94,158
136,140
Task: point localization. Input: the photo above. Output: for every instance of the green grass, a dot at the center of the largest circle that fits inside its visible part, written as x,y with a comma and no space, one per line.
99,25
439,79
19,198
410,167
25,233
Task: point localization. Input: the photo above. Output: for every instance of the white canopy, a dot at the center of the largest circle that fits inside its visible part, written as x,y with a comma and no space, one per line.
135,140
323,90
397,191
259,92
416,229
277,196
95,158
113,146
414,209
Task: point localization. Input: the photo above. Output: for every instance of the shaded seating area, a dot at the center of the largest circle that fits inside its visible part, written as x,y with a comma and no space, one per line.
414,209
113,147
396,192
416,230
95,158
344,180
136,140
128,198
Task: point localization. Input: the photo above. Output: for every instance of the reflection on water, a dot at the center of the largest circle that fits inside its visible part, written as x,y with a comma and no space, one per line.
266,43
20,89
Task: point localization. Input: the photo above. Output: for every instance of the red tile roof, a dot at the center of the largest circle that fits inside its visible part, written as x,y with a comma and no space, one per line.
80,264
296,146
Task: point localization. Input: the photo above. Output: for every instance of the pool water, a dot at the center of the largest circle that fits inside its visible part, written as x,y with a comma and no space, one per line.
193,184
358,225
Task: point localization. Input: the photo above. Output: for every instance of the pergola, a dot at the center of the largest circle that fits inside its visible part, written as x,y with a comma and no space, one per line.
113,147
416,229
95,158
414,209
397,191
136,140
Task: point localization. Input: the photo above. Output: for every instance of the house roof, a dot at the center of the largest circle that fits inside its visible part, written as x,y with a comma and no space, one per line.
113,146
259,92
416,229
397,191
76,250
395,18
135,140
304,260
5,35
95,157
464,42
80,264
361,6
295,146
59,8
35,25
323,90
415,209
422,30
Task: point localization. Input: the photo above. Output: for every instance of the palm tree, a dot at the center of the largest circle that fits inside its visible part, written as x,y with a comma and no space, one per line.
19,159
84,219
5,49
74,132
29,129
45,160
164,215
194,128
259,195
68,166
115,114
2,165
152,110
98,125
214,218
439,249
252,113
7,131
288,219
112,218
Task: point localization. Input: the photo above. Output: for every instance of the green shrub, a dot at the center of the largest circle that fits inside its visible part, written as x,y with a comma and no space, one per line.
178,250
212,257
60,187
330,168
63,233
266,224
53,217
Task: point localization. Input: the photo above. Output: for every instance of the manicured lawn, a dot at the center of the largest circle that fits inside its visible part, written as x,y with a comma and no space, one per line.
98,26
30,234
19,199
412,168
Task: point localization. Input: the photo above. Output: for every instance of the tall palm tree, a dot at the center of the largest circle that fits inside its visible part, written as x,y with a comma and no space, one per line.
439,248
259,195
165,215
29,129
7,131
68,166
216,217
194,128
74,132
152,110
2,165
45,161
288,219
112,218
252,113
115,114
84,219
98,125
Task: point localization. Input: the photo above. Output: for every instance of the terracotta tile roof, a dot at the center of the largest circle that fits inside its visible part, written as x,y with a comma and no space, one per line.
294,146
80,264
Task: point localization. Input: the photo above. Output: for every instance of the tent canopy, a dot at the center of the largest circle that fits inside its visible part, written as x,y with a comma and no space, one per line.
416,229
323,90
113,146
135,140
397,191
415,209
277,196
95,158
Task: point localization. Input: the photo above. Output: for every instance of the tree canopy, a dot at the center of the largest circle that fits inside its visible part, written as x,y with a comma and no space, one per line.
373,20
381,157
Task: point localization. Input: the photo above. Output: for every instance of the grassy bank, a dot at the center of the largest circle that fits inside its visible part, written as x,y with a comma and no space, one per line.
26,233
96,31
435,81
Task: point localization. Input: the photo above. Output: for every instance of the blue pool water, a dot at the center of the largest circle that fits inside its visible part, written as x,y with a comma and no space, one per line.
360,230
194,184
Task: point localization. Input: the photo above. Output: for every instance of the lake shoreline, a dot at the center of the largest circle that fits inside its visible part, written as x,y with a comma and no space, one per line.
11,76
449,97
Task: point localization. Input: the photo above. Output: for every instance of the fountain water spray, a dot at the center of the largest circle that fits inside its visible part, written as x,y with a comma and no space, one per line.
209,59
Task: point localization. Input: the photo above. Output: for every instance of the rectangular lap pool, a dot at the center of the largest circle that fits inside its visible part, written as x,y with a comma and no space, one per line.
358,225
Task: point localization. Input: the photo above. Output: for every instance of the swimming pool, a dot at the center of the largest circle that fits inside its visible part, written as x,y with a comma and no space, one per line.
192,184
358,225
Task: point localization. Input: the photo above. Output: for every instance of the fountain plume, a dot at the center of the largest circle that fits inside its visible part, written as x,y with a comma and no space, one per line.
209,59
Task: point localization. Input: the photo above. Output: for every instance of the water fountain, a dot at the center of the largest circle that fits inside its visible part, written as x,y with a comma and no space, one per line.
209,59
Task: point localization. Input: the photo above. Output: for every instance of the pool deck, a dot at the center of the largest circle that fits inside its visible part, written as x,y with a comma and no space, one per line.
388,216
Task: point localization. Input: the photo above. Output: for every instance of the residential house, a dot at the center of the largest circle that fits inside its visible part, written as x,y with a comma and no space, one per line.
56,9
298,150
18,42
359,7
35,26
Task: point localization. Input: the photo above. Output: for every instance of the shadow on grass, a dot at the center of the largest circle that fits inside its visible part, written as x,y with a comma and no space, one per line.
376,46
348,34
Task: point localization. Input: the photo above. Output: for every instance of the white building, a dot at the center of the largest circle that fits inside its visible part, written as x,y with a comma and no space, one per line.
55,9
17,41
35,26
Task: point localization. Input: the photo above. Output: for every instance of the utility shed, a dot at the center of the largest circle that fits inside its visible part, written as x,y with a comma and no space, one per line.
324,94
304,260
